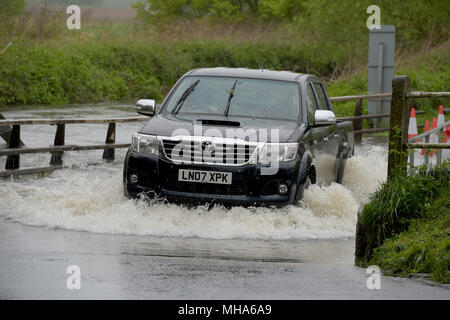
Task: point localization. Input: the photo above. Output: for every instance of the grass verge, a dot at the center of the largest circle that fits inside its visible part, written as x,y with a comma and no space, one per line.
423,248
406,225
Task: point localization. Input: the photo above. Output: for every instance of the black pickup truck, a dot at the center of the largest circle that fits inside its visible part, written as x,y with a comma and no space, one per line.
238,137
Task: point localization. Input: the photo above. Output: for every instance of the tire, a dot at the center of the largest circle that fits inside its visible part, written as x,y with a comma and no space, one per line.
340,169
308,182
303,187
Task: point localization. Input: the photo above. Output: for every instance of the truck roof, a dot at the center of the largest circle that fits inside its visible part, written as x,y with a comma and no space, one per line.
247,73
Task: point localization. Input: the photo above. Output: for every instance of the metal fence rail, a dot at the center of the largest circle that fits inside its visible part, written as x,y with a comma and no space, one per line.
399,145
414,145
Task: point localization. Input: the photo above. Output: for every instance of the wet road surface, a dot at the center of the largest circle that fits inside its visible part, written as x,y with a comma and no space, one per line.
34,261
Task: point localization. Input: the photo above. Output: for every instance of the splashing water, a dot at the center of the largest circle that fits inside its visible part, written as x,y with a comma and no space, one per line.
91,199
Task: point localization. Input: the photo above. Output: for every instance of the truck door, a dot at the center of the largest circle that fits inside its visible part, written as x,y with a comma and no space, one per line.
317,137
331,140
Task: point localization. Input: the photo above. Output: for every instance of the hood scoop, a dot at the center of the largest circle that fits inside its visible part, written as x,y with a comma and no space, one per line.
213,122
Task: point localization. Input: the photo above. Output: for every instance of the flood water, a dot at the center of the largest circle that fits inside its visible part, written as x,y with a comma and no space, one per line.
89,197
136,249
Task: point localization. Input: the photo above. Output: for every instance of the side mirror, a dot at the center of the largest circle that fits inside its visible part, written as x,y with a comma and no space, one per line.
146,107
324,117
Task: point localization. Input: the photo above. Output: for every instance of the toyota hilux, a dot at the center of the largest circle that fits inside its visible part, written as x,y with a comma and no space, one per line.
238,136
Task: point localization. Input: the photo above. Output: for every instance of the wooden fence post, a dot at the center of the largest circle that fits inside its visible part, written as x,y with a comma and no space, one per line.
357,123
13,161
56,159
109,154
398,128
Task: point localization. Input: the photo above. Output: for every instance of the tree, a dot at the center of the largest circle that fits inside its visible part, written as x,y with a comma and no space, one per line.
229,9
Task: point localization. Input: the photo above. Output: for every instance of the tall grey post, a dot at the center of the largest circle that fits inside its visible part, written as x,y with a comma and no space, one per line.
381,68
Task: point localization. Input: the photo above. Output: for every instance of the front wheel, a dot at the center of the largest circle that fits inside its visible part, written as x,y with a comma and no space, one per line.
301,188
340,168
307,183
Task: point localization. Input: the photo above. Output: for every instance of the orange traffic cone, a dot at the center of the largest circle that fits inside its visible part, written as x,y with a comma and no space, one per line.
412,129
434,138
427,128
441,121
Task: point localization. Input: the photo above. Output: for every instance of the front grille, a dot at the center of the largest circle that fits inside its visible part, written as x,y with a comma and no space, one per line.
208,152
170,182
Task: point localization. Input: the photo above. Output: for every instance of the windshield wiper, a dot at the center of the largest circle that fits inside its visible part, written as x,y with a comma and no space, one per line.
184,97
229,99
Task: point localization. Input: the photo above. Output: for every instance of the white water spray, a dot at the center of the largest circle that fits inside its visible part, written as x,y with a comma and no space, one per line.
91,199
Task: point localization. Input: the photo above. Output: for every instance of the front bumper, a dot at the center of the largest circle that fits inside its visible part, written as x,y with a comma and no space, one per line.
159,177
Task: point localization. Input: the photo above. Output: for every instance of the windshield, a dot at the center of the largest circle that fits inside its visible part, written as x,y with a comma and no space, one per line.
236,97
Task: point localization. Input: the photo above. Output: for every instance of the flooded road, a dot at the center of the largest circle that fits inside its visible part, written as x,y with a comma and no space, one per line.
34,260
133,249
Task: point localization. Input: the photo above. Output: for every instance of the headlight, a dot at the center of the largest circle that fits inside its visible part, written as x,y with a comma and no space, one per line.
143,143
277,152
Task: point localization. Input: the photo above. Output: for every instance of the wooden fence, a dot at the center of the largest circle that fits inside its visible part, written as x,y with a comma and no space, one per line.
15,148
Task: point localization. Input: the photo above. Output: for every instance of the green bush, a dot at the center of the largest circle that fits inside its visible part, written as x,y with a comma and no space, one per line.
35,75
226,9
90,72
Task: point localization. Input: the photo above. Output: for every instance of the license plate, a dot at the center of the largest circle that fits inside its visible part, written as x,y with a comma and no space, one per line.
204,176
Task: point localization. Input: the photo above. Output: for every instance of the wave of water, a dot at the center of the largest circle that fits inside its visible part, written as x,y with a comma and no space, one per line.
91,199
